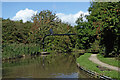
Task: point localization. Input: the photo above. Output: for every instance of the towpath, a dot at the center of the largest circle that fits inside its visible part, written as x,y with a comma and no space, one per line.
94,59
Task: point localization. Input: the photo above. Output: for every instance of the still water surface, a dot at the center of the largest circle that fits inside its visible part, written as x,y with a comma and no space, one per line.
43,67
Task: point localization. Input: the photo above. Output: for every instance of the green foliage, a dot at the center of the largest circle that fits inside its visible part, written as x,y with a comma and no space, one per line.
86,33
105,18
42,22
15,31
103,24
46,20
18,33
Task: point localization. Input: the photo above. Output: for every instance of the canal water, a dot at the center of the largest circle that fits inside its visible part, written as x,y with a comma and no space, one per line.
59,66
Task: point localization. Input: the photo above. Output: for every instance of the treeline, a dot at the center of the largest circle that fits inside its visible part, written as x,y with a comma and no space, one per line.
100,32
102,28
15,33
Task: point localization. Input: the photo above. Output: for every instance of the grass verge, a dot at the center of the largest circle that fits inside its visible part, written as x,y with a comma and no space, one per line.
110,61
89,65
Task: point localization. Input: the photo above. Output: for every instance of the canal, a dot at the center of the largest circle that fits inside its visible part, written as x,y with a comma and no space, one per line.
59,66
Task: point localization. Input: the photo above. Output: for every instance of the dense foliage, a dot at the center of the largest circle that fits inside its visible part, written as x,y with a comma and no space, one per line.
17,33
103,24
86,33
46,20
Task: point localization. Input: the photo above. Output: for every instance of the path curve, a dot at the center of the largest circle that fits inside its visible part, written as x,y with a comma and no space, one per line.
94,59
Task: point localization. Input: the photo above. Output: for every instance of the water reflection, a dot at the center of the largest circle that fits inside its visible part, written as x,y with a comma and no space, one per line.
43,67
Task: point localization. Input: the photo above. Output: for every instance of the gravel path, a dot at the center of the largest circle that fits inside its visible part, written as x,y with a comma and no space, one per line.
94,59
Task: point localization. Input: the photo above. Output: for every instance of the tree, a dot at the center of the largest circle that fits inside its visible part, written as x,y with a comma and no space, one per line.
33,32
15,31
86,33
43,22
105,18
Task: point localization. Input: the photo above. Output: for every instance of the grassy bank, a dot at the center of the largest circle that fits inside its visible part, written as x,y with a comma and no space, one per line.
111,61
87,64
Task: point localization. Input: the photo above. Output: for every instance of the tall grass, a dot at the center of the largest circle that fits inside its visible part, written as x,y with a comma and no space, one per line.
14,50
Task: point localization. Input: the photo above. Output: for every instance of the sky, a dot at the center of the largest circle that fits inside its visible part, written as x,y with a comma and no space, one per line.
66,11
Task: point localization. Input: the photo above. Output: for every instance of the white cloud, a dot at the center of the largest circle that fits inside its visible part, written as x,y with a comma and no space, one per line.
25,15
71,18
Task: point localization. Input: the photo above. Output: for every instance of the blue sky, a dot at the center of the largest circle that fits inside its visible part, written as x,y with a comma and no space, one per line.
63,10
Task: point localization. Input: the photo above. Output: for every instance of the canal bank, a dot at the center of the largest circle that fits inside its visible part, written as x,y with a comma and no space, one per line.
88,66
